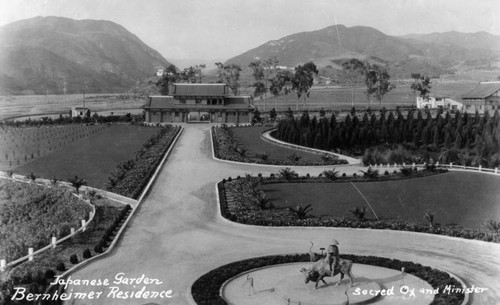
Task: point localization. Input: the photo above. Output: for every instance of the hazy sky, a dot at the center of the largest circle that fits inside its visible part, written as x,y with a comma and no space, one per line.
220,29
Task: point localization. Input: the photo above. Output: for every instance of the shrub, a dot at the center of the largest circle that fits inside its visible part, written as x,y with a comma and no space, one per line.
344,175
73,259
386,173
331,174
60,267
87,254
98,248
50,274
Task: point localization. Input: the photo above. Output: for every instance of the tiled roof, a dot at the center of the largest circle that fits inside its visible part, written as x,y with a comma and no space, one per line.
167,102
483,90
161,101
213,90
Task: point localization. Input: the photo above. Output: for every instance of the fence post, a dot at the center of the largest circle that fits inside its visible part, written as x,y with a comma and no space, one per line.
437,163
72,231
413,164
83,225
54,242
3,263
404,164
451,164
480,167
30,254
496,170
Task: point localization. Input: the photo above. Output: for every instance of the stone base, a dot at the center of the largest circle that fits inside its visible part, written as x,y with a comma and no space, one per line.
293,290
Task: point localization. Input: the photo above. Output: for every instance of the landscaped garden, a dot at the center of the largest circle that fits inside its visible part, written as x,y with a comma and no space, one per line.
244,144
382,137
93,157
421,201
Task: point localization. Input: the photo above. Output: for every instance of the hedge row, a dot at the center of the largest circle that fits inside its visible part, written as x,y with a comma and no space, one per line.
131,177
206,289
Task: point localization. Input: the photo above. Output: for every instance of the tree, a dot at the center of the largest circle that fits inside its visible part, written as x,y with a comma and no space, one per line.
77,182
303,80
354,68
256,117
301,211
229,75
377,81
280,83
422,84
273,114
170,76
429,217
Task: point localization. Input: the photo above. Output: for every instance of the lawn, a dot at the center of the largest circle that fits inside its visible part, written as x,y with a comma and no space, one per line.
93,157
465,199
249,137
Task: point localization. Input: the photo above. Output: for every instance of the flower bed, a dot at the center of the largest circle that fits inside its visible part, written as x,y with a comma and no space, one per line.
228,147
206,289
242,200
131,177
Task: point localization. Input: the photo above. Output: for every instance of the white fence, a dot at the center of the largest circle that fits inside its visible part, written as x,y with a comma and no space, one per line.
450,166
54,240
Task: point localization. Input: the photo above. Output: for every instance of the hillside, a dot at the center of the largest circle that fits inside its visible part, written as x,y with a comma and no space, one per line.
48,53
434,54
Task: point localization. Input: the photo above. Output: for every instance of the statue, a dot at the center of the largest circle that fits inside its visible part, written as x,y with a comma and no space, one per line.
321,268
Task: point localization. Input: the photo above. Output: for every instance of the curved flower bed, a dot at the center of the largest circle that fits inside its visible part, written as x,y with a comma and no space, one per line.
242,200
227,147
206,289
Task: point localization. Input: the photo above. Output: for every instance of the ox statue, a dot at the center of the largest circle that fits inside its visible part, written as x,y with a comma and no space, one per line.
321,269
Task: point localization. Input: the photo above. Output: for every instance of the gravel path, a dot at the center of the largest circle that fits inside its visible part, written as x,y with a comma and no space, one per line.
177,235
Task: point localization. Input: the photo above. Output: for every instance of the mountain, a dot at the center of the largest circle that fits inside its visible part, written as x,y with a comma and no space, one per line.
47,54
330,46
479,40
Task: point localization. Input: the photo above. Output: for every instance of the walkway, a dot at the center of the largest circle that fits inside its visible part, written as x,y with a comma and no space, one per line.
177,234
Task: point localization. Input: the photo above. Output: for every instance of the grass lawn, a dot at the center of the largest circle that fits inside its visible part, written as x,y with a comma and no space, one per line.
465,199
249,137
94,157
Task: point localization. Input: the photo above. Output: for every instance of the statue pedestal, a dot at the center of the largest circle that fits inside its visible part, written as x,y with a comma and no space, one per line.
294,290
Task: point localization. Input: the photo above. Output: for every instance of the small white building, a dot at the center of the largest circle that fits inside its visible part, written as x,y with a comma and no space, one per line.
159,72
438,102
79,111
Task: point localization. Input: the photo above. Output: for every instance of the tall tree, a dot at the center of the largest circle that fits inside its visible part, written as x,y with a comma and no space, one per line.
422,84
170,76
377,81
353,68
303,80
229,75
281,83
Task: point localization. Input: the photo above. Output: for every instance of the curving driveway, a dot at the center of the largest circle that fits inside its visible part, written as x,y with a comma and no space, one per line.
177,235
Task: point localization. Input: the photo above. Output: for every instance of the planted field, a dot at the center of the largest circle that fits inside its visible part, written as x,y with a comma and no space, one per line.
249,137
336,98
93,157
465,199
19,145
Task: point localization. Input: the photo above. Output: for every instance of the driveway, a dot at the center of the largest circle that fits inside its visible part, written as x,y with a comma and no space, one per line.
177,235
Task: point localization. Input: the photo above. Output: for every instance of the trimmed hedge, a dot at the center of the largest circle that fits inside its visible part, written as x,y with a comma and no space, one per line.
206,289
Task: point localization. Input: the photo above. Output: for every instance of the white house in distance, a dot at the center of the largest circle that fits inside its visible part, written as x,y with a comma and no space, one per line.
79,111
439,102
485,96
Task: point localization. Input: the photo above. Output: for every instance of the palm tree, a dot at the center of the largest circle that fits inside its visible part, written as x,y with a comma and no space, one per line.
54,180
331,174
370,173
32,177
300,211
288,174
358,212
77,183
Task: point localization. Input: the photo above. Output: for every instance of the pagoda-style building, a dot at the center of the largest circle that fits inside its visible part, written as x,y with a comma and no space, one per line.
199,103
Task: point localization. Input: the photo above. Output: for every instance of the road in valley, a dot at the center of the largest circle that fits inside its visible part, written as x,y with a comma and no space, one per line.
177,235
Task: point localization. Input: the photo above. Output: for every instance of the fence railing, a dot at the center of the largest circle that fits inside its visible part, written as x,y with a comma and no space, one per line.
54,240
441,165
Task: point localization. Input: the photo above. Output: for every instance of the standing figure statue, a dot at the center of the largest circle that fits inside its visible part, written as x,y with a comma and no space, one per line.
333,255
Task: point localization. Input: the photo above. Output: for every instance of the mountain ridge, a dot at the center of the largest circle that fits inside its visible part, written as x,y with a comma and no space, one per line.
36,53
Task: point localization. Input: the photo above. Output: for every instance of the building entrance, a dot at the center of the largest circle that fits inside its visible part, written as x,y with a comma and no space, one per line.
198,117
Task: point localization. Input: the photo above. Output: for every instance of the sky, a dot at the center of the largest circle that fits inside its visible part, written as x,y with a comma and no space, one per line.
221,29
